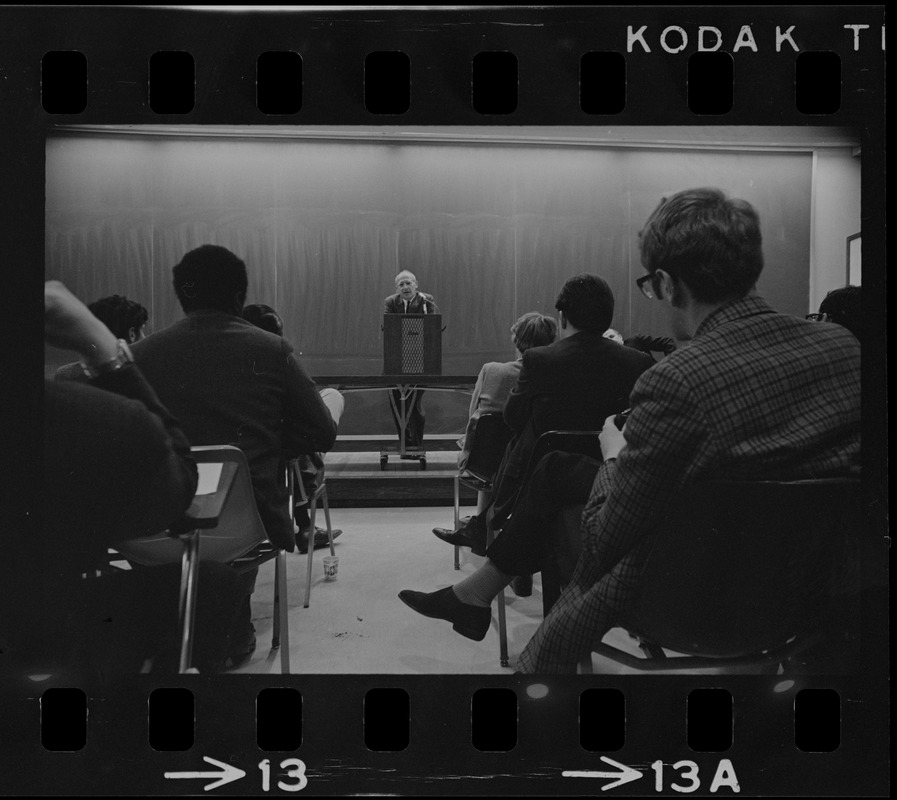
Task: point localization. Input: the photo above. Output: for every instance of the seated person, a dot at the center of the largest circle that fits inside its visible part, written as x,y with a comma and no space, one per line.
572,384
228,382
493,386
843,306
643,342
691,420
125,318
117,466
651,344
311,466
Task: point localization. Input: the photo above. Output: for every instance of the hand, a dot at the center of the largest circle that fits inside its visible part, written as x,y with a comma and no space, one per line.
611,439
69,324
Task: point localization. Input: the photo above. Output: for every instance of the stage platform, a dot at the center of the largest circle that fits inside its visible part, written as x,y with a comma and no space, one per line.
355,478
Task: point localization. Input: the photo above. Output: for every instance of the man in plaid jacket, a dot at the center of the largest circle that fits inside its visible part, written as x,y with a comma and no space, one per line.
754,395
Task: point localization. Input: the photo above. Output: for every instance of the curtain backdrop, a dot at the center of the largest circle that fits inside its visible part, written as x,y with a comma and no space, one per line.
491,231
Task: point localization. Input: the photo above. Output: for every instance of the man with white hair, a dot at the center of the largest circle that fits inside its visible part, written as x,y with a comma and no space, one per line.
408,300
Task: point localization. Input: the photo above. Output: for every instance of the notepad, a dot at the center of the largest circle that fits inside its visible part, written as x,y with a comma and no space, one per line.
209,475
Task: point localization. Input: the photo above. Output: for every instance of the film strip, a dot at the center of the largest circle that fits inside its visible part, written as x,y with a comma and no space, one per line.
493,68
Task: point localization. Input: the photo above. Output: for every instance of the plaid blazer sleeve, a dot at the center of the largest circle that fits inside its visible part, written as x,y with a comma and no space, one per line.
667,443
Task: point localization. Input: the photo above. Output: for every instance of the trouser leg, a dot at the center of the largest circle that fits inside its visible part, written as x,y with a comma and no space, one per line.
559,479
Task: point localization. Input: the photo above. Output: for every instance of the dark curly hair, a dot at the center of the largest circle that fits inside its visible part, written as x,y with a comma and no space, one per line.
845,306
263,317
210,277
119,314
587,303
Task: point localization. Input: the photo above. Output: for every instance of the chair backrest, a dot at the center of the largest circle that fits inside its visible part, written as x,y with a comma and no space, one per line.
490,438
239,527
739,567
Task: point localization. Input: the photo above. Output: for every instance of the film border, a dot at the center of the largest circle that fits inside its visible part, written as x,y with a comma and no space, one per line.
440,43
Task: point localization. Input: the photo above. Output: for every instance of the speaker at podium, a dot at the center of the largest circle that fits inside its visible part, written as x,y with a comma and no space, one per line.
412,344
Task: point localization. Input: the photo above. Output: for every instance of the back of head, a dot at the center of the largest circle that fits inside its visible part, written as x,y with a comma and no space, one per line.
587,303
210,277
708,241
120,315
845,307
263,317
534,330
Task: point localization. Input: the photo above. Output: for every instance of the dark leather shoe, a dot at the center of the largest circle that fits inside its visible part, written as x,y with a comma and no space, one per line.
464,536
321,539
470,621
522,585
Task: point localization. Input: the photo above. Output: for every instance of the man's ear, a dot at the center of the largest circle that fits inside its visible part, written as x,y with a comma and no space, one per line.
132,335
562,320
665,284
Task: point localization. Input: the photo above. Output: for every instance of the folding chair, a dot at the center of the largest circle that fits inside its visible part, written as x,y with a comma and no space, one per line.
742,575
222,524
299,497
490,438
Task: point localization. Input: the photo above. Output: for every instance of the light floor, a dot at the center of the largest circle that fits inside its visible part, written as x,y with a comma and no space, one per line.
357,624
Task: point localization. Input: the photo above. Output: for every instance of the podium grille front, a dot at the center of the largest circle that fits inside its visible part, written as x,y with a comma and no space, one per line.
412,344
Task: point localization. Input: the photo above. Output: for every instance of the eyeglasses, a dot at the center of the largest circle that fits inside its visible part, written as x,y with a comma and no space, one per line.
646,286
819,317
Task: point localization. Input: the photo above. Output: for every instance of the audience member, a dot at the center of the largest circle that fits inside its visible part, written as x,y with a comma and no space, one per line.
117,466
229,382
843,306
651,344
494,385
572,384
125,318
408,300
311,466
691,420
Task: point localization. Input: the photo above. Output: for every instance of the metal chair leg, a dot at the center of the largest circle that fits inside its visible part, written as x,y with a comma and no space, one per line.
502,620
281,610
311,549
326,503
187,598
502,630
275,615
457,519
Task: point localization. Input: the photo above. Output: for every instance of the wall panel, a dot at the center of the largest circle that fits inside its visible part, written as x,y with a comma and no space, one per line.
491,230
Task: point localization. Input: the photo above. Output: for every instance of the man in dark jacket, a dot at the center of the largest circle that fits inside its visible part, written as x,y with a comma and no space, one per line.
408,300
573,384
117,466
229,382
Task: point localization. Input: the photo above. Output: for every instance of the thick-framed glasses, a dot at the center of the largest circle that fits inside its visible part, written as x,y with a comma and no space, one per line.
646,286
819,317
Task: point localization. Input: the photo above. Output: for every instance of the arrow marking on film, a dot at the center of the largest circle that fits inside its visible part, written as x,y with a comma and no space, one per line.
623,774
226,774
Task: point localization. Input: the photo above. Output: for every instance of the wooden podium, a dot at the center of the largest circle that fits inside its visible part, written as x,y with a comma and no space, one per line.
412,344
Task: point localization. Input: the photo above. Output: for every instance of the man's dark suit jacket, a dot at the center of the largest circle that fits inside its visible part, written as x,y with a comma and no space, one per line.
394,304
572,384
229,382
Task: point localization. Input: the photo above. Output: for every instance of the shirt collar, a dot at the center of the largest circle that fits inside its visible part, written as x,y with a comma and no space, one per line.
735,309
